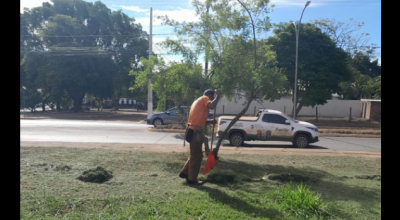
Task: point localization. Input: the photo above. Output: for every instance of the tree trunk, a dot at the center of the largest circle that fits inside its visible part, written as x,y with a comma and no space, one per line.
216,149
299,108
115,103
78,99
44,102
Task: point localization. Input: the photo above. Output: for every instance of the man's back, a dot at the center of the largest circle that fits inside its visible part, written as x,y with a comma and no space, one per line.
199,112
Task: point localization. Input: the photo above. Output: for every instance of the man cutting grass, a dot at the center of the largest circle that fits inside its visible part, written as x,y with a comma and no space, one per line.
197,120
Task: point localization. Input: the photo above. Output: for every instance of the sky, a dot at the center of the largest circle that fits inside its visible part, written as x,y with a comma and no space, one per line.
367,11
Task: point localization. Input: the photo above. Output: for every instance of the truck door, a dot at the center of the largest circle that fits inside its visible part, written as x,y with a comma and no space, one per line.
264,131
276,128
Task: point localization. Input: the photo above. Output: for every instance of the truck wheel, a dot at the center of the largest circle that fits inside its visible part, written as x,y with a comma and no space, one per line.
157,122
301,141
236,139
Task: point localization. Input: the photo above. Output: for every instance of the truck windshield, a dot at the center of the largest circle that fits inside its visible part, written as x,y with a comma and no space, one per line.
289,117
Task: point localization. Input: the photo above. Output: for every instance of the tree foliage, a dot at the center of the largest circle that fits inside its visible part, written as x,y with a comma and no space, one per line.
178,82
364,65
361,87
347,35
321,65
68,33
229,34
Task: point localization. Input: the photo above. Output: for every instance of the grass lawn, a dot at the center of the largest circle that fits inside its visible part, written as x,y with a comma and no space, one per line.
145,185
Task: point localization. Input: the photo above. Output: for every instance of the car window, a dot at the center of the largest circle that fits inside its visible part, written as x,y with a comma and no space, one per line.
265,117
172,111
276,119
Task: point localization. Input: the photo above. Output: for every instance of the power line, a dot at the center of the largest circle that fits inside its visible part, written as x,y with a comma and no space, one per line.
99,35
75,36
161,53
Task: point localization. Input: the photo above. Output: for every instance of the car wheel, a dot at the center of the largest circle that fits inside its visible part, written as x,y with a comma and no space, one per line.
301,141
236,139
157,122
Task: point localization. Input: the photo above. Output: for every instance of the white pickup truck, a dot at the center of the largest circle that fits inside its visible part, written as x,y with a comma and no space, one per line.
268,125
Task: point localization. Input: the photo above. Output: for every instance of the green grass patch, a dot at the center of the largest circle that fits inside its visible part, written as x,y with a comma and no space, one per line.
145,185
301,201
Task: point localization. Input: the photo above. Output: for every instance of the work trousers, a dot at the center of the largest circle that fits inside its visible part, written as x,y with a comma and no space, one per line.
193,163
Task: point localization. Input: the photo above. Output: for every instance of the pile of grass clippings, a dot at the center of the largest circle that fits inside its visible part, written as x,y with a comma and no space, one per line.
98,175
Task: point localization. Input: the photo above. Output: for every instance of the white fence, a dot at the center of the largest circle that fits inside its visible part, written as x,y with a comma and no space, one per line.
334,108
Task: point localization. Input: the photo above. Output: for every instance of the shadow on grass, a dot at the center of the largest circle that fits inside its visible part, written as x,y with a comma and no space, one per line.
239,204
283,145
241,176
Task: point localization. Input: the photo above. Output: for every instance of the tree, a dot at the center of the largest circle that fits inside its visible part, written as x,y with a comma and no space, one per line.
321,65
178,82
241,65
374,86
71,32
77,75
361,87
365,64
346,35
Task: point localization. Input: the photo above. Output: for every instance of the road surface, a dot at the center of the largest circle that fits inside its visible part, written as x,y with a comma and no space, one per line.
84,131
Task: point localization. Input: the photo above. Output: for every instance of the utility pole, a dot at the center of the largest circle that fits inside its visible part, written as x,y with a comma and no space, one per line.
149,90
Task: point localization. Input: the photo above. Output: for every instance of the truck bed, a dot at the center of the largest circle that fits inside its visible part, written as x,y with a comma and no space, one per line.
243,118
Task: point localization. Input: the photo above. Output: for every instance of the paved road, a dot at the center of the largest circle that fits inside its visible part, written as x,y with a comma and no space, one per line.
53,130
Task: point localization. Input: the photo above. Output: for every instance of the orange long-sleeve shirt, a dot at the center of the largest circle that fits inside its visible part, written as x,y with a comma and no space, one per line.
198,112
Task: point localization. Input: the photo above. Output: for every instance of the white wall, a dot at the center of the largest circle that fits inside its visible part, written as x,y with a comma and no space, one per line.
334,107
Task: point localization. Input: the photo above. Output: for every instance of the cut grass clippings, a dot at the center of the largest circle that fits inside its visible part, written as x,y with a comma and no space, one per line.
145,185
97,175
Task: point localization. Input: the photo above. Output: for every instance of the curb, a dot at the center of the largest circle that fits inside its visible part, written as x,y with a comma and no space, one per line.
320,135
174,148
167,130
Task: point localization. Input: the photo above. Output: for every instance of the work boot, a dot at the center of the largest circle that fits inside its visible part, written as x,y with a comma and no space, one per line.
195,183
183,176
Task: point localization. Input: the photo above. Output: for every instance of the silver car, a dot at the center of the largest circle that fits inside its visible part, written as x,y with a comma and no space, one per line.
171,116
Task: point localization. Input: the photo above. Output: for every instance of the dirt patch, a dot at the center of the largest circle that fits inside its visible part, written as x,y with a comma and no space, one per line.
62,168
341,123
39,165
326,131
98,175
221,178
287,177
366,177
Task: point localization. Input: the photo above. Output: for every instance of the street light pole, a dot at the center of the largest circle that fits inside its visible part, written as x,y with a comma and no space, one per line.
297,48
